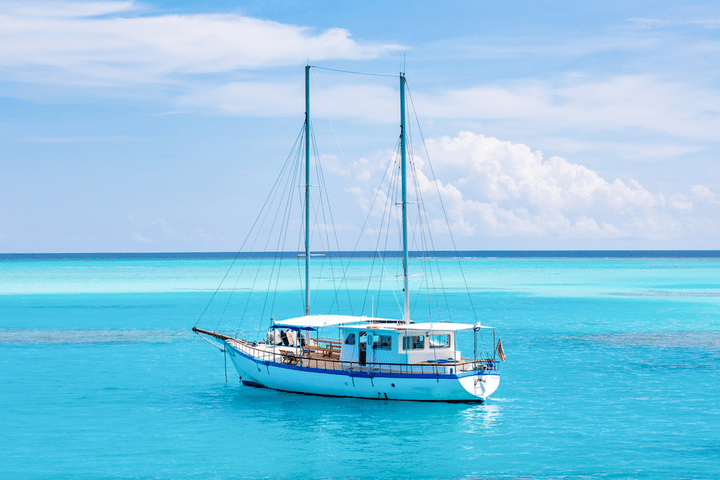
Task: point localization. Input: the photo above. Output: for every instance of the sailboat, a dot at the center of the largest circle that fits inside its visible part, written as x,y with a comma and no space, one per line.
371,357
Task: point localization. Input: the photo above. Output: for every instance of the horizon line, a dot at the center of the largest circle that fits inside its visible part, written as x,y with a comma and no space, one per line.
371,254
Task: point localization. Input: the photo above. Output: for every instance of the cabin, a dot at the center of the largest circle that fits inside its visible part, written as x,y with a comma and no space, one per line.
397,343
371,342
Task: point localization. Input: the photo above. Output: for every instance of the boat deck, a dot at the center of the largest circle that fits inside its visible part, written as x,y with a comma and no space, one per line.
326,356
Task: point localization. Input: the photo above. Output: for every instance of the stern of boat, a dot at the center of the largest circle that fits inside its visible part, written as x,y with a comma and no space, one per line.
481,385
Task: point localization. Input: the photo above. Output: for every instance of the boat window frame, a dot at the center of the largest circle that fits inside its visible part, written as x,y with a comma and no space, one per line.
446,344
348,340
414,347
384,342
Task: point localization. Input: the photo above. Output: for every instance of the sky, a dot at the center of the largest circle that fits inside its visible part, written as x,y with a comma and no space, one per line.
161,126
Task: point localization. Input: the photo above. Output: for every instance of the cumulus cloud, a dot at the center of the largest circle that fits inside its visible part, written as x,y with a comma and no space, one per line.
702,193
514,190
680,202
117,43
496,188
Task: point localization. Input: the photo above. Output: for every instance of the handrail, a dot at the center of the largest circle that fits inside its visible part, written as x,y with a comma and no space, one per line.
295,356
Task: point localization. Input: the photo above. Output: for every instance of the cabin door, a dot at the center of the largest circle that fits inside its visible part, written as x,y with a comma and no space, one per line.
362,348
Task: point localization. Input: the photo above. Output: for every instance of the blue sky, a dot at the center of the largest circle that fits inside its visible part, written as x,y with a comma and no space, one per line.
160,126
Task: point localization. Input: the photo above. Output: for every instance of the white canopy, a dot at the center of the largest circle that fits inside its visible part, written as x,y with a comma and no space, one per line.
319,321
437,326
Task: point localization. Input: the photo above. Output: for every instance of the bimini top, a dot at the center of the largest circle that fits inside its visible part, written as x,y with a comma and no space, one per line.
313,322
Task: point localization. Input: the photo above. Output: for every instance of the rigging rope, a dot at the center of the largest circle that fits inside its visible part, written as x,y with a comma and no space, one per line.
321,176
442,204
354,73
246,239
356,191
421,234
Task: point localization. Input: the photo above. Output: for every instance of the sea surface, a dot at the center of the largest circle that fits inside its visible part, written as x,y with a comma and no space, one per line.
612,371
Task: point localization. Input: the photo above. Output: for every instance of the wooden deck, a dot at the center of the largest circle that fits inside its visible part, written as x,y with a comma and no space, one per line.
323,354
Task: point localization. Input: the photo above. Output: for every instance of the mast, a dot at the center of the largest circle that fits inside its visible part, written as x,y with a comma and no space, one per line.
403,173
307,189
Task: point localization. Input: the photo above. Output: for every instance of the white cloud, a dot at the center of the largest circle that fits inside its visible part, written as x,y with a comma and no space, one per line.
165,228
89,43
656,22
624,149
617,103
703,194
271,99
470,48
68,9
201,235
118,44
680,202
150,231
138,237
496,188
580,107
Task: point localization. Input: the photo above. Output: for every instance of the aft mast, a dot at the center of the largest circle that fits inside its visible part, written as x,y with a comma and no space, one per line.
403,173
307,189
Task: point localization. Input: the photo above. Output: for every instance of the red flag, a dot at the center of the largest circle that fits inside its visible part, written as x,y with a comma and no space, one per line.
500,351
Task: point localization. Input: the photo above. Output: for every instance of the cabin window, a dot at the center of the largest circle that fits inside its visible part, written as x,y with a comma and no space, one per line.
350,339
414,342
384,342
439,341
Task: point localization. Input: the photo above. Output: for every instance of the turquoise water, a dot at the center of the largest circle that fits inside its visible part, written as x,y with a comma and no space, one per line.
613,371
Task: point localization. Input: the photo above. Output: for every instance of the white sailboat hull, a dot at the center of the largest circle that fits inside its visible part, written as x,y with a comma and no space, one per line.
442,386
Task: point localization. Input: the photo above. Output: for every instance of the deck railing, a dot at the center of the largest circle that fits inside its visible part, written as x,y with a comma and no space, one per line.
313,358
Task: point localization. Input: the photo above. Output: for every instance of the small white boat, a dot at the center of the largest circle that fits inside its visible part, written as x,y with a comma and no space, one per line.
373,358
